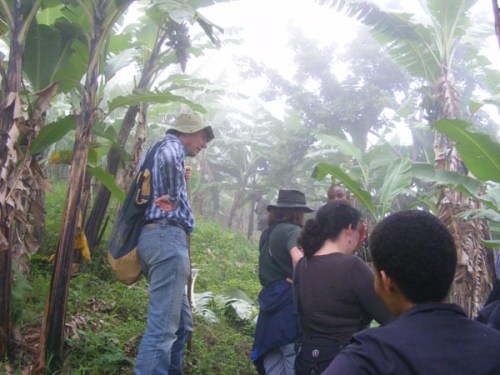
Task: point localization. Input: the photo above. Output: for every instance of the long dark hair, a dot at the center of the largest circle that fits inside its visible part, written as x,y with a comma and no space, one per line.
330,220
285,215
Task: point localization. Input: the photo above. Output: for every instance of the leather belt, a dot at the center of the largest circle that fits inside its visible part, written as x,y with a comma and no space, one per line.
165,222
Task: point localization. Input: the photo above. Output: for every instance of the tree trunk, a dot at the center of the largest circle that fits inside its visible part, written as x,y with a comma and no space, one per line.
8,158
239,195
52,332
101,202
5,300
235,205
496,14
474,275
251,214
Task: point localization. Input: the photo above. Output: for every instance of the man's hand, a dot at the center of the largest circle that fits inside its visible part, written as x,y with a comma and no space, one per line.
296,254
164,203
188,171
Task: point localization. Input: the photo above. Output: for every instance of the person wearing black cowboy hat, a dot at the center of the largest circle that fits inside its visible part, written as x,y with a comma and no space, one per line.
277,327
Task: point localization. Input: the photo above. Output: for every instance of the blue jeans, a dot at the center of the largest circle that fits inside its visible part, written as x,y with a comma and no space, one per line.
280,361
163,253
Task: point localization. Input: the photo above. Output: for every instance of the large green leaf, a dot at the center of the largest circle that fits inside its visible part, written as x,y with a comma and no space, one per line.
397,179
43,47
109,133
406,41
450,14
491,244
152,97
464,184
50,11
422,43
345,147
321,170
49,48
428,173
491,199
379,156
52,133
71,73
479,152
178,10
119,61
108,180
209,28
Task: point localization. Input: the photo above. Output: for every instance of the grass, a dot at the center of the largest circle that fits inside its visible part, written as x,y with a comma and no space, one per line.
105,319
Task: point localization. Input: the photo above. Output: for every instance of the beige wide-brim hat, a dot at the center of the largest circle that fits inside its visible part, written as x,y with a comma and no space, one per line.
189,123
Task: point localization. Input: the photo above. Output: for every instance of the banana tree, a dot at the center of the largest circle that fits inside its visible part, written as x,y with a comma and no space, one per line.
376,178
100,16
480,155
20,173
496,14
42,53
427,47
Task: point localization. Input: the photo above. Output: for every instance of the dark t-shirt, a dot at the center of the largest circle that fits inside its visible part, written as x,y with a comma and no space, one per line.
428,339
336,296
275,261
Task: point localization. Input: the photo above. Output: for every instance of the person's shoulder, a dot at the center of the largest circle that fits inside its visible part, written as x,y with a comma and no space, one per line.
286,224
285,227
391,334
356,263
171,147
487,329
170,141
488,310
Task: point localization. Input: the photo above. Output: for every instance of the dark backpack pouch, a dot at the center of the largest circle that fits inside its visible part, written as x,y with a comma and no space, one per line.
123,256
314,354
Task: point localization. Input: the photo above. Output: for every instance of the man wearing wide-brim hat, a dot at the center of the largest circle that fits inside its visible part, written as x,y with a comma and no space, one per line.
193,132
277,327
163,248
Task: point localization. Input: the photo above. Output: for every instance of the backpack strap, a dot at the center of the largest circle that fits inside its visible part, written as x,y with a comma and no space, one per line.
144,176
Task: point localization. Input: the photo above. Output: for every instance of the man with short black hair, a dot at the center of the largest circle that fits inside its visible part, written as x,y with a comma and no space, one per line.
415,257
337,193
163,249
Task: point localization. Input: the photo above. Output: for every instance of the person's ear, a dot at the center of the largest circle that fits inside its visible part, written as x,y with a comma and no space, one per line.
387,283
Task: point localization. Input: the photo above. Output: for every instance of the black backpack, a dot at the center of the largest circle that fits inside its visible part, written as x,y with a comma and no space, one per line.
123,256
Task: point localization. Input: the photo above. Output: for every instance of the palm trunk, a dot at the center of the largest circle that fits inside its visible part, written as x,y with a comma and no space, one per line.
236,202
101,201
52,332
9,135
474,276
5,299
496,14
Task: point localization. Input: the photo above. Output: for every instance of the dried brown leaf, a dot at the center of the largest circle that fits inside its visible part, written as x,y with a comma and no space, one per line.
45,96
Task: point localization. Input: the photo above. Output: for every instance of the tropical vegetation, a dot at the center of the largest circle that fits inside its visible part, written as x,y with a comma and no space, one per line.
87,85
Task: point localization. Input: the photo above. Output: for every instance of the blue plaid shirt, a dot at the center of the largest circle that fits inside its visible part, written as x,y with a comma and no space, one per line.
169,179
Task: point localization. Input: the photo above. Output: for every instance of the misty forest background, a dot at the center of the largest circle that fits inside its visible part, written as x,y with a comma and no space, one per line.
88,85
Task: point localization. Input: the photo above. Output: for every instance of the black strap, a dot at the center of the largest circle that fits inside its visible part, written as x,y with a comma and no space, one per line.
296,287
142,198
149,159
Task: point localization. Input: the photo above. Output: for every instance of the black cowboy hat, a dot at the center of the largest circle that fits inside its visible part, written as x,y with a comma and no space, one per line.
291,199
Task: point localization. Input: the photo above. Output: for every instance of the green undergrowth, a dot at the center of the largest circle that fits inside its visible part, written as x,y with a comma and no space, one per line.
105,319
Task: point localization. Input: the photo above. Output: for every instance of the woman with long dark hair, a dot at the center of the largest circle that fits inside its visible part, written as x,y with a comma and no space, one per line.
277,327
333,288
